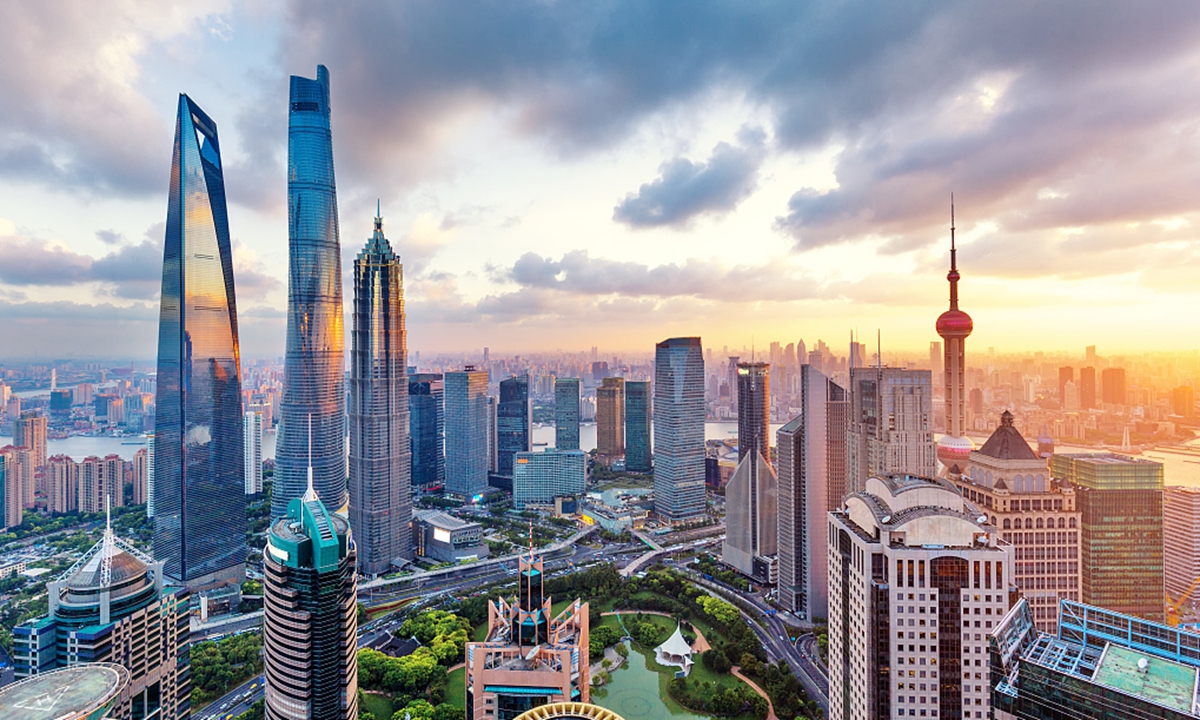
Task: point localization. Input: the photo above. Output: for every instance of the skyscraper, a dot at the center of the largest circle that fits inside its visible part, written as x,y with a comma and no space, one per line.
1066,374
610,420
954,326
566,413
314,365
1181,547
62,484
310,618
812,481
427,428
466,432
751,496
514,423
1112,386
101,483
638,457
253,429
679,416
137,476
199,463
380,454
1087,388
11,510
29,431
890,431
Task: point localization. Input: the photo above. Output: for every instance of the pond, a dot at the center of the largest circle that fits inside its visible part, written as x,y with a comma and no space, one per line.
633,693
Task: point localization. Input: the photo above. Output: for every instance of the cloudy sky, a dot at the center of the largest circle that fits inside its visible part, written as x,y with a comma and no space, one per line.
566,174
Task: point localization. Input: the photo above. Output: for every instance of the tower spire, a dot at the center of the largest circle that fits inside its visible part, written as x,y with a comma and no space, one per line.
310,494
109,547
952,276
378,218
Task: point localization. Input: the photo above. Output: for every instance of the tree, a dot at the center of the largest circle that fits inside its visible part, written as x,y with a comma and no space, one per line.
716,661
720,610
750,665
415,710
446,711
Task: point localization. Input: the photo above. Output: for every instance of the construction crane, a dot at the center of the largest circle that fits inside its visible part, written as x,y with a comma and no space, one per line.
1174,605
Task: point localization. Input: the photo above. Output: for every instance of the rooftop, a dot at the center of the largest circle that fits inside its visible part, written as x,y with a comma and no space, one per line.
1006,442
1161,681
74,692
443,520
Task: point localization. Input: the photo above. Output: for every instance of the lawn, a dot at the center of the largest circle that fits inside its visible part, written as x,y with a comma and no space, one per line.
456,688
378,705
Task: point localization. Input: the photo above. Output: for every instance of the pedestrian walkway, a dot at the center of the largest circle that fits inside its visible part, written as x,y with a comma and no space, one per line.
737,672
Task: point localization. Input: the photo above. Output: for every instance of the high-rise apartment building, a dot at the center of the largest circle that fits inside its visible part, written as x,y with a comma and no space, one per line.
310,614
638,401
679,415
427,429
566,413
62,483
1065,375
610,420
137,477
890,415
917,582
530,657
539,477
19,477
1181,547
116,605
466,432
1087,388
380,452
954,326
200,508
252,428
101,481
1120,501
812,482
752,493
514,422
1034,513
1112,386
12,511
314,377
29,431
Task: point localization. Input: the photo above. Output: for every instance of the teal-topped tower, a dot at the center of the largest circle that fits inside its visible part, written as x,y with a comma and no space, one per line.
310,589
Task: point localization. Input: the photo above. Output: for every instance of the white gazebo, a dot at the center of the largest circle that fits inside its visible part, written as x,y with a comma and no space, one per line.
675,651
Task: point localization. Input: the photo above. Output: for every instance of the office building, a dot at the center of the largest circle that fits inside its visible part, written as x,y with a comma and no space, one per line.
252,428
1065,375
446,538
29,431
1087,388
199,501
380,452
314,379
539,477
83,692
954,326
310,614
101,481
679,415
812,482
610,420
137,477
1112,386
1183,401
514,423
638,455
1101,665
890,424
493,464
917,581
752,494
1181,550
12,511
1120,502
426,429
467,443
62,484
530,657
566,413
116,605
1035,514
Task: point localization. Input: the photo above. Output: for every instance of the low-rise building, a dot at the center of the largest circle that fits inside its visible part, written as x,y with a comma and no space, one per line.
539,477
445,538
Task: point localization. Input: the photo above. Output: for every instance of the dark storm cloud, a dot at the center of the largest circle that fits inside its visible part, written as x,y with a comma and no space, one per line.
685,190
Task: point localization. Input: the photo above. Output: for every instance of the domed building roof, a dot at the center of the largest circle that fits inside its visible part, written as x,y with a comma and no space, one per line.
124,567
1006,442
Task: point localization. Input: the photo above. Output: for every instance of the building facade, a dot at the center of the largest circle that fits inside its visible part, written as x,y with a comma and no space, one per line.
30,431
539,477
427,429
11,510
679,415
514,423
566,413
752,494
610,420
466,432
199,461
137,476
1181,549
890,424
314,381
917,582
18,481
638,455
310,615
446,538
101,483
1120,503
380,452
252,428
62,482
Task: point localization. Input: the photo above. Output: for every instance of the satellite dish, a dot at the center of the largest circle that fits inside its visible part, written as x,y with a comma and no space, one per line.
1143,663
886,519
981,519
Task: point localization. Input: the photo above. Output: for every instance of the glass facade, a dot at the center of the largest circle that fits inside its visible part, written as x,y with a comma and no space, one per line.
566,413
426,429
514,422
539,477
314,365
199,483
679,415
637,426
380,454
466,432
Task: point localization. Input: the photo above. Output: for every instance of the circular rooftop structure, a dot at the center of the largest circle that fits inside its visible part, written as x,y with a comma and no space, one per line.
953,451
569,711
954,323
81,692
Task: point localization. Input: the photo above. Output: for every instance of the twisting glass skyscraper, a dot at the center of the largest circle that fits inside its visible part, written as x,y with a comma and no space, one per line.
380,454
199,500
314,367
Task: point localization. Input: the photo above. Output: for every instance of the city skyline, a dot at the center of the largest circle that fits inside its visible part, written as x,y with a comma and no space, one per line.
489,166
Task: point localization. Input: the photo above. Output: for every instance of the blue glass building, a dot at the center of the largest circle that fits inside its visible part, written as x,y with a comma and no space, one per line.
566,413
380,455
199,476
314,366
514,423
637,426
426,429
679,415
466,403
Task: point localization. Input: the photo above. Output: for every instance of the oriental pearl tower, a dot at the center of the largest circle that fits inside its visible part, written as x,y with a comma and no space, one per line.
954,326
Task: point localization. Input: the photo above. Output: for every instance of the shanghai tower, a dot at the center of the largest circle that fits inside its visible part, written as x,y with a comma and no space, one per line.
200,512
380,455
314,365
